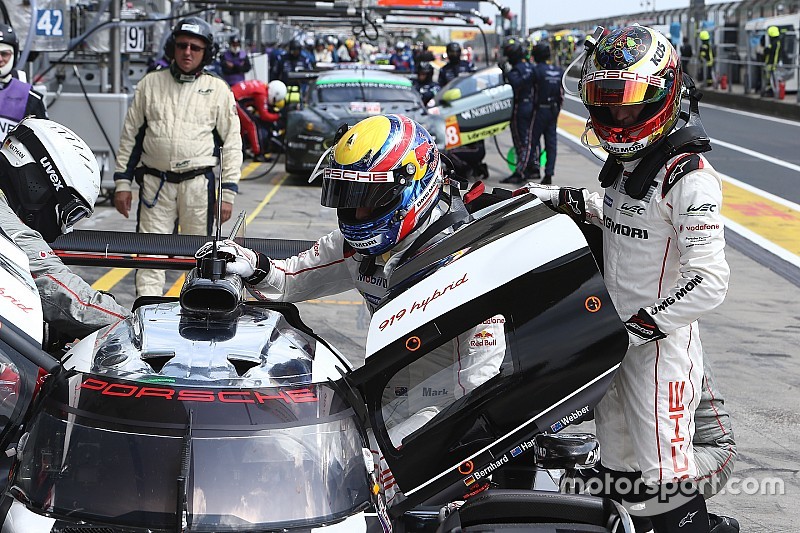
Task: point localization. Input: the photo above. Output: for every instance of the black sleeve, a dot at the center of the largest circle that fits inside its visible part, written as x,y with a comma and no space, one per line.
35,105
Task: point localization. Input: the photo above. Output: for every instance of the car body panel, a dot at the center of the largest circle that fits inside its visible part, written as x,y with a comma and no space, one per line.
560,347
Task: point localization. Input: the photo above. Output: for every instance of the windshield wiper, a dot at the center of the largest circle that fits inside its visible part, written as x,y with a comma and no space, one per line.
182,514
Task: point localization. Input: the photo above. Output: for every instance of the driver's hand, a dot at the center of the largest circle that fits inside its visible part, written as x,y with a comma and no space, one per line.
239,260
549,194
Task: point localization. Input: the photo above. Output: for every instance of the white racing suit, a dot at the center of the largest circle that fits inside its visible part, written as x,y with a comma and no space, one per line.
664,255
447,373
714,444
175,128
69,304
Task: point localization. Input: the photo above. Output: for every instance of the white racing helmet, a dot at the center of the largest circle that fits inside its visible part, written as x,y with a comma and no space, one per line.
276,92
49,175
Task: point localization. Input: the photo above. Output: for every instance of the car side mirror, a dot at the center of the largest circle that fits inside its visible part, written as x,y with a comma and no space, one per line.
451,95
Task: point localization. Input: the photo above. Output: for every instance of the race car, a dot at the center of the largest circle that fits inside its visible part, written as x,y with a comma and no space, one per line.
475,107
339,97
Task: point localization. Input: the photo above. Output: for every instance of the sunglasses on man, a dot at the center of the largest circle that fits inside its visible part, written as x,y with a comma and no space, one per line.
193,47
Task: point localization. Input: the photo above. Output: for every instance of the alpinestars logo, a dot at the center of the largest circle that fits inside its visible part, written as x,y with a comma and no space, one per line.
687,519
48,167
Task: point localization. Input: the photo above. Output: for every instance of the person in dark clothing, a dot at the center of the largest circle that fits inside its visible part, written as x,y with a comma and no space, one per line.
455,65
421,53
234,62
686,54
522,78
549,98
402,59
293,60
17,98
424,83
467,160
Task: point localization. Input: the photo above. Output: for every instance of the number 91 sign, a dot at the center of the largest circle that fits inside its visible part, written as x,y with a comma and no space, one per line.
134,39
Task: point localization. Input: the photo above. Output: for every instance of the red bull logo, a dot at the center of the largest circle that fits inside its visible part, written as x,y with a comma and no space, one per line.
483,338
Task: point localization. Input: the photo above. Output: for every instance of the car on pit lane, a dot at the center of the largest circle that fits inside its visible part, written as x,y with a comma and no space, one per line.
475,106
347,96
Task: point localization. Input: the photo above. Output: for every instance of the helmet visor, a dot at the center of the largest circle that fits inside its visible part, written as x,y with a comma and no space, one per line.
621,87
72,213
352,189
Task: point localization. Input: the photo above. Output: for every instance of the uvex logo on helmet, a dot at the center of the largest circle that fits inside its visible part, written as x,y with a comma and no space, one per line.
48,167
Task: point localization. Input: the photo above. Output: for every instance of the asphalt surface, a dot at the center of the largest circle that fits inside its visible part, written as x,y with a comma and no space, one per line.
751,339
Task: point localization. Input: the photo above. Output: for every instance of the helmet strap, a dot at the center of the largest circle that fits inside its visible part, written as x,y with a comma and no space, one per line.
62,192
181,76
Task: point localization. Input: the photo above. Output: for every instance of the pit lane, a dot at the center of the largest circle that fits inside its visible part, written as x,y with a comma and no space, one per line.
751,339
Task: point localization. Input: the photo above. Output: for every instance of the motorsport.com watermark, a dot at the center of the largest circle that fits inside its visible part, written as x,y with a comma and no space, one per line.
662,498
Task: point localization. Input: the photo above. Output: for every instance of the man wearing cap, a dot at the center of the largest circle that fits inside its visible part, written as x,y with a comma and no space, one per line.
181,122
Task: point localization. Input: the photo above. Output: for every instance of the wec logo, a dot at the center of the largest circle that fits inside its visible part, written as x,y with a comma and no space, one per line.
51,172
705,208
632,209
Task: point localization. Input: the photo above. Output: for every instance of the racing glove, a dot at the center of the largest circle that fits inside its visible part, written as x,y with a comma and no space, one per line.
567,200
642,328
250,265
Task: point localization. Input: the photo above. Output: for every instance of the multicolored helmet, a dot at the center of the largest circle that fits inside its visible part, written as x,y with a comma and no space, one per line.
632,66
384,176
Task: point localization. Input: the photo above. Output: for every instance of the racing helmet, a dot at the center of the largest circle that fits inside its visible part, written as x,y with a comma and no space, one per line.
704,35
453,51
426,69
276,92
50,176
632,66
513,49
387,168
294,48
8,42
194,27
773,31
541,52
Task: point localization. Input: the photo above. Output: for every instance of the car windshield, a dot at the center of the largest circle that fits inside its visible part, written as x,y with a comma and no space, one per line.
344,91
473,83
288,458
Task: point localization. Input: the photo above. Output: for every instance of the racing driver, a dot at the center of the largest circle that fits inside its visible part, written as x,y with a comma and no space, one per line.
50,180
664,265
378,223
